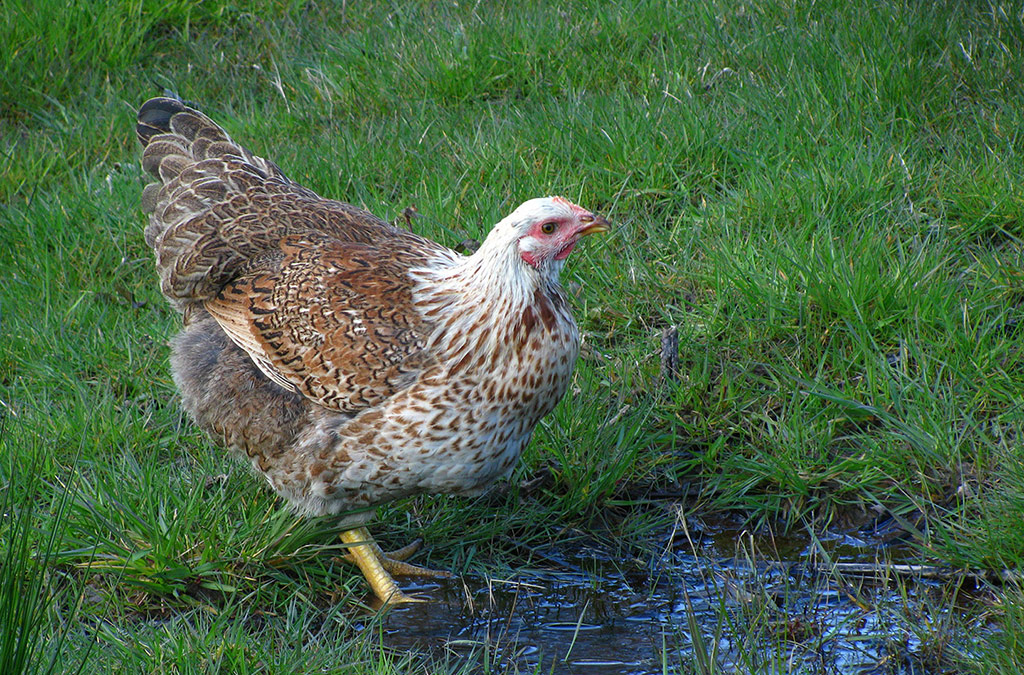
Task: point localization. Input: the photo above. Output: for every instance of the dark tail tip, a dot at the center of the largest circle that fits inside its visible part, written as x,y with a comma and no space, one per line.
155,117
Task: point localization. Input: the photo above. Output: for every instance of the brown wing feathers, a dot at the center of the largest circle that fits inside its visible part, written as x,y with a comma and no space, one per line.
334,322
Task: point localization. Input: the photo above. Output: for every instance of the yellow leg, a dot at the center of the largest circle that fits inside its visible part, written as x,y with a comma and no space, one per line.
361,550
378,566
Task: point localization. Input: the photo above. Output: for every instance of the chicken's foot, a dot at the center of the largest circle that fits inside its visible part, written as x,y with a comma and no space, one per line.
378,566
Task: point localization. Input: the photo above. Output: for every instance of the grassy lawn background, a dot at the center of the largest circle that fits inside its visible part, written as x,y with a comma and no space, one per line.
826,199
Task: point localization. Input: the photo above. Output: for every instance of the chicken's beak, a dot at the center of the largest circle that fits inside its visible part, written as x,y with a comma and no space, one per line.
592,224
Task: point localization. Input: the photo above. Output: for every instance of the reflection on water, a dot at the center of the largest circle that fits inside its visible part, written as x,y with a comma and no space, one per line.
751,614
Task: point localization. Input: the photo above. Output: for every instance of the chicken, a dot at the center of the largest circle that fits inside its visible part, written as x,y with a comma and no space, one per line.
351,361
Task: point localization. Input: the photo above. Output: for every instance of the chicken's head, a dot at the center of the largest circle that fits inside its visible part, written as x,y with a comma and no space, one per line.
545,230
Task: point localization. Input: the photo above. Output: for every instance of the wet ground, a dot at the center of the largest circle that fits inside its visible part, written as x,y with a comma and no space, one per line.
751,604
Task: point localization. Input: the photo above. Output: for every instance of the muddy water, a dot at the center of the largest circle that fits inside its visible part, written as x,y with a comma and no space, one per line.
588,613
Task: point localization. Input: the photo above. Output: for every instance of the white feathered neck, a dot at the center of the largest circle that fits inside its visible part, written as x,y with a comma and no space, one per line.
480,297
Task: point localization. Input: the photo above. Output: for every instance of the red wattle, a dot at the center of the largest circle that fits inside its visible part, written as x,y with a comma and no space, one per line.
564,253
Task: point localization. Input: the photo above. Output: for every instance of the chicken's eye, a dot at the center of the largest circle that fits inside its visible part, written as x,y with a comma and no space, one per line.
548,228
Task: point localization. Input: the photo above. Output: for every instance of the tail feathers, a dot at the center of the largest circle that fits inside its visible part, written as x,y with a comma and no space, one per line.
176,137
215,207
166,127
205,182
154,117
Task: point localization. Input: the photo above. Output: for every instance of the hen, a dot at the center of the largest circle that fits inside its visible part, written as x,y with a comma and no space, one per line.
351,361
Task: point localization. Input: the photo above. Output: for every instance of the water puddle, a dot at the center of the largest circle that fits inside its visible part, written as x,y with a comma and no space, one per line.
725,598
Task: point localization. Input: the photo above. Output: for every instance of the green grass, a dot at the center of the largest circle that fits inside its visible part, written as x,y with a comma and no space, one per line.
826,198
